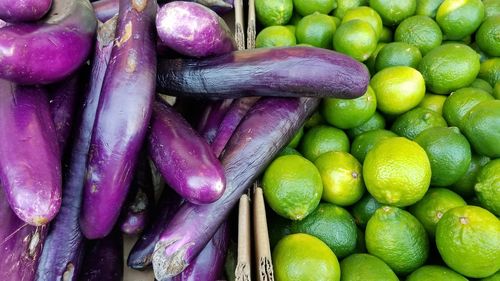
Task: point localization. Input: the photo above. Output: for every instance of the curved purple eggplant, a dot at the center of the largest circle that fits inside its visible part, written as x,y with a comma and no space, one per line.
48,51
122,116
266,128
208,265
62,254
26,10
185,160
193,30
212,117
105,9
20,244
237,111
104,259
30,159
282,72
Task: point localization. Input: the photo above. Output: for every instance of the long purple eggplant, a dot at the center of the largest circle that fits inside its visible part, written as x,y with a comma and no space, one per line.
104,259
122,116
62,254
63,98
184,159
138,210
282,72
212,117
20,244
208,265
30,159
232,119
141,254
25,10
267,127
49,50
193,30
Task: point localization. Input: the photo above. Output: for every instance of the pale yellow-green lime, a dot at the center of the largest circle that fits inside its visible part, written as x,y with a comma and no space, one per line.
273,12
433,102
355,38
365,267
365,14
275,36
435,272
393,12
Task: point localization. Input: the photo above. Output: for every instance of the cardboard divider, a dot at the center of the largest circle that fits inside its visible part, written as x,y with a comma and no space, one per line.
263,259
244,265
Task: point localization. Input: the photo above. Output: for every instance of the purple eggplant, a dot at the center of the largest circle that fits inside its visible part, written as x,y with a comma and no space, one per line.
139,207
266,128
20,244
63,98
212,117
183,158
208,265
49,50
282,72
104,259
193,30
141,254
62,254
237,111
122,116
105,9
30,159
23,10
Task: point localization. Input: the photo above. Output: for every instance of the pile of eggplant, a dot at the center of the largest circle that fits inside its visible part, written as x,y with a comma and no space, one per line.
84,129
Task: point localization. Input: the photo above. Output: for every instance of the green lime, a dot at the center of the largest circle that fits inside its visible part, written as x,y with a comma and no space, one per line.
322,139
459,19
386,36
367,140
496,90
420,31
365,267
306,258
316,119
342,179
364,209
490,71
435,272
488,187
460,102
291,28
375,122
491,8
275,36
449,153
468,241
294,19
482,128
365,14
397,238
394,12
432,207
317,30
433,102
449,67
307,7
337,21
344,5
398,89
397,54
273,12
288,151
296,138
370,62
494,277
349,113
292,186
428,7
482,84
415,121
397,172
488,36
465,185
355,38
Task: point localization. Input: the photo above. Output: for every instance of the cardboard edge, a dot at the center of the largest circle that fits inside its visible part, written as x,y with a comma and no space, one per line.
251,25
261,235
239,35
243,266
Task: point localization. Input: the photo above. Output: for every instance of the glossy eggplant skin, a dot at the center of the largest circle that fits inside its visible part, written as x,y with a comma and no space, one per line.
21,244
25,10
61,257
141,254
184,159
207,266
281,72
193,30
105,9
104,259
122,117
266,128
30,159
51,49
212,117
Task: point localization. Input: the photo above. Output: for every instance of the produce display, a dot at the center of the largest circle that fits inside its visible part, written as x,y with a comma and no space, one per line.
372,126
